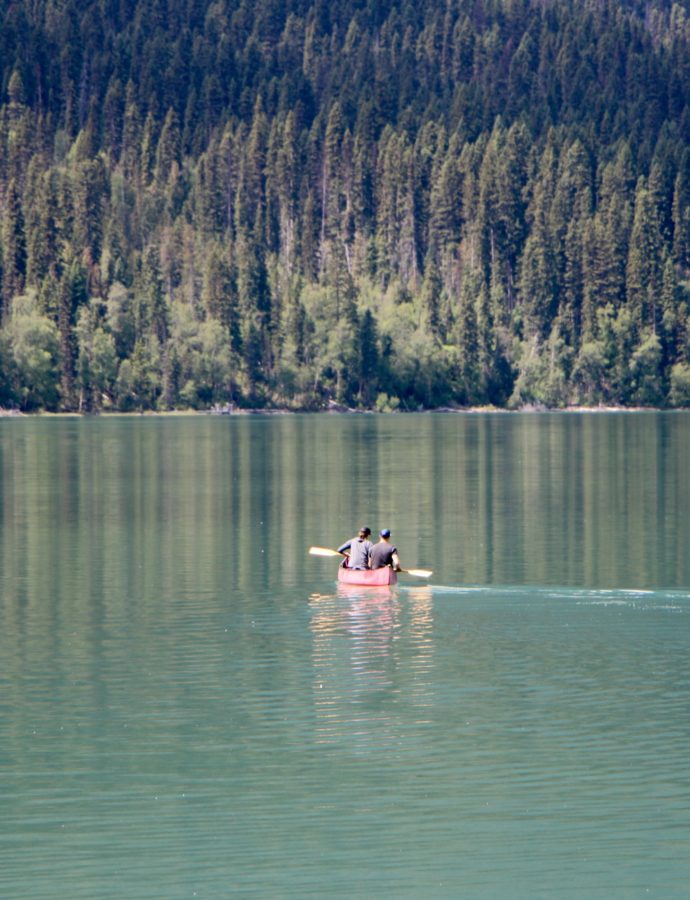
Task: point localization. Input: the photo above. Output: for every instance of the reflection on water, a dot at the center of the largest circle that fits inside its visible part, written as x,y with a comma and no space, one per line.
372,656
136,505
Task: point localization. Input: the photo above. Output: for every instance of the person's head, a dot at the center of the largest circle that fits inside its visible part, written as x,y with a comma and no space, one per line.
385,533
364,532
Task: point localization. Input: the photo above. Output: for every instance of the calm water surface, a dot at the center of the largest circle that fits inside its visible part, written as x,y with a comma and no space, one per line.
191,707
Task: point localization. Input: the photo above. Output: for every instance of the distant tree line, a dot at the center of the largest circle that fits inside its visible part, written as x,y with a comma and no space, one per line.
383,204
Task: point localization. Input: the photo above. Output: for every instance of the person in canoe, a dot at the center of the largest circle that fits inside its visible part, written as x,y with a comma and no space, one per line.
384,553
357,550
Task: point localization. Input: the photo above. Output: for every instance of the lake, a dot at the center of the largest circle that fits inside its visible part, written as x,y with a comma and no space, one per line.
191,707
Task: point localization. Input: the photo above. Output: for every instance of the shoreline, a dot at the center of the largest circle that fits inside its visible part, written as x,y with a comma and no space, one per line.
341,411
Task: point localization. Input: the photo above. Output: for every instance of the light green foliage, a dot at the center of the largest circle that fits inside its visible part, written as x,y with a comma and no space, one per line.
386,404
680,385
590,374
543,371
139,381
96,362
32,343
202,359
646,372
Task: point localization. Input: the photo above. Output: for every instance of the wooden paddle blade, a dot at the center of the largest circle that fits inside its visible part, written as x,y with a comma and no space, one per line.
419,573
323,551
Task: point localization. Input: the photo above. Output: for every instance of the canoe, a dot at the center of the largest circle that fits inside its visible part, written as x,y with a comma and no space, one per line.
368,577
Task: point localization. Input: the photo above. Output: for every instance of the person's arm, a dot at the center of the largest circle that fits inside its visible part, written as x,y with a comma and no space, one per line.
396,561
346,546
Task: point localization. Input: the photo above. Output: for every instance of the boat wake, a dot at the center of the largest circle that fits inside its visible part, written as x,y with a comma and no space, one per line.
659,598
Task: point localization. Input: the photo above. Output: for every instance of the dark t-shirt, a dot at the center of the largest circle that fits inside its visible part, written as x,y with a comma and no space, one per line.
382,555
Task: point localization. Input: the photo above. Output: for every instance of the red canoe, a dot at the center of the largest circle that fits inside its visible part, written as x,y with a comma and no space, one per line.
368,577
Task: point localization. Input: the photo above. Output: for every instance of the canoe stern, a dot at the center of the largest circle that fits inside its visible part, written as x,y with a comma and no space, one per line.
367,577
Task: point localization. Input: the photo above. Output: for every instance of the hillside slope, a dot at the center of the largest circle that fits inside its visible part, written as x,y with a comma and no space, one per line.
386,204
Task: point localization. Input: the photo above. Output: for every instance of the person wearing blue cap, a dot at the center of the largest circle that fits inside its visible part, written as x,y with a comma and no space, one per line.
384,553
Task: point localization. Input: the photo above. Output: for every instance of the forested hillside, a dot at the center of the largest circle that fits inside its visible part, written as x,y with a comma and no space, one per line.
383,203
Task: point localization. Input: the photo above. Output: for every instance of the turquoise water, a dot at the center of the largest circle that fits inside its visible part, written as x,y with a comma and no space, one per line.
190,706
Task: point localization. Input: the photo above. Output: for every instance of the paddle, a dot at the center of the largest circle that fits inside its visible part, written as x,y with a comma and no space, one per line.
325,551
418,573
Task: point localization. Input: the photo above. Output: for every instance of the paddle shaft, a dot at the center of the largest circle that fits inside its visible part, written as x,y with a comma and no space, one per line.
326,551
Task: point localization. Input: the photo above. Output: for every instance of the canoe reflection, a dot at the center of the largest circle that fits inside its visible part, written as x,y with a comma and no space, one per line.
372,659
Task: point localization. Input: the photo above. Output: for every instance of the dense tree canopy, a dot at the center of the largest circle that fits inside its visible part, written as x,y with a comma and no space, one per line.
386,204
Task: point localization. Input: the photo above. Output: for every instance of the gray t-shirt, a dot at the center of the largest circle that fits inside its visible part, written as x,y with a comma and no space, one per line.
382,555
359,552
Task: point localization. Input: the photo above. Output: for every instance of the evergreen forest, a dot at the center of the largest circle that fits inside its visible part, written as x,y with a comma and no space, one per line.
376,204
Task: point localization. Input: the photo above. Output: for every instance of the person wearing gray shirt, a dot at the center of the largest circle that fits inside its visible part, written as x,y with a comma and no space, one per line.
359,550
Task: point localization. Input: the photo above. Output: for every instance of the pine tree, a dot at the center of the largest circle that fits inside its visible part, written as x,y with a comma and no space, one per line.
430,297
219,294
445,204
73,296
168,151
149,138
150,311
368,359
681,217
331,184
19,138
673,315
538,280
287,187
131,136
255,308
13,246
467,338
90,191
113,114
644,269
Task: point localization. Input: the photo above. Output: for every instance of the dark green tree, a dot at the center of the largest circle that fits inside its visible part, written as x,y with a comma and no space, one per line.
13,245
644,269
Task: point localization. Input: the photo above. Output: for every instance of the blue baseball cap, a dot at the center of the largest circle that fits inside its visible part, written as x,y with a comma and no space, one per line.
385,532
